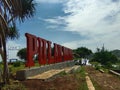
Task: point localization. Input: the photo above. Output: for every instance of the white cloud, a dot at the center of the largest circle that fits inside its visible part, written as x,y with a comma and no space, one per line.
55,22
88,16
110,43
59,20
99,20
49,1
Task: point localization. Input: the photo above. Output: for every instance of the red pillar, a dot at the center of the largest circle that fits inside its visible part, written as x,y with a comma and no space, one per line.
64,53
31,49
55,53
59,53
40,55
50,60
44,51
71,54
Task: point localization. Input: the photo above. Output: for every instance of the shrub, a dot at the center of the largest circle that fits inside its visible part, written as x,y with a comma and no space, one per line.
104,57
16,64
96,65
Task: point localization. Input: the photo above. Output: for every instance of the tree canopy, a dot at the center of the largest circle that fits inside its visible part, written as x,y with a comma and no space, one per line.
22,53
104,57
82,52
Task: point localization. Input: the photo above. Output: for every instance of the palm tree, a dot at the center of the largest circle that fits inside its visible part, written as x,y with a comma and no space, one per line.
10,11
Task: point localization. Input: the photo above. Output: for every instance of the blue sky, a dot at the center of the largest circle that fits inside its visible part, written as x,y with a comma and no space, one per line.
73,23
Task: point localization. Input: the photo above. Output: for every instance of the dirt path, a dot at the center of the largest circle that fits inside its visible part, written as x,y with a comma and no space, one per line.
104,80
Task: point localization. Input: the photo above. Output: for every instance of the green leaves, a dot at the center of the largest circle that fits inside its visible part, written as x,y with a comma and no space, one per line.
22,53
82,52
104,57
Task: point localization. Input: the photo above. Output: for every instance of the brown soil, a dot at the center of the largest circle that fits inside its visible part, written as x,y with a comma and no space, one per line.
67,82
103,81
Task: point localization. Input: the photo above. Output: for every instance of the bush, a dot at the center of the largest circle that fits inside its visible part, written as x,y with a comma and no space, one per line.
16,64
108,65
104,57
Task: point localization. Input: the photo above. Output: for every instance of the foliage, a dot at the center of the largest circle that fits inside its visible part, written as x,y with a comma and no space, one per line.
10,12
104,57
13,33
82,52
96,65
82,72
63,73
13,69
80,75
16,64
22,53
116,53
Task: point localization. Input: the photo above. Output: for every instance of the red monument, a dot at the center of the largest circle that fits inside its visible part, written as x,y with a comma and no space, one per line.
42,47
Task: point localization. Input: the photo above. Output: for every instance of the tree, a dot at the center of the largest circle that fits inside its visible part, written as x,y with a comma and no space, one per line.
22,53
104,57
82,52
10,12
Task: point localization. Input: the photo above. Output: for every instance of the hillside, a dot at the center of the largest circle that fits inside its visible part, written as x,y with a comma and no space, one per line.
116,53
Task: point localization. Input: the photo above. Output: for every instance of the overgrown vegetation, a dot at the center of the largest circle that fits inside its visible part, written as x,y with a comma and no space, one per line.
104,57
22,53
80,75
17,64
82,52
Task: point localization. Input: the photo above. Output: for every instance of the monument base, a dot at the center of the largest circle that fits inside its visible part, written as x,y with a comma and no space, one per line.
24,74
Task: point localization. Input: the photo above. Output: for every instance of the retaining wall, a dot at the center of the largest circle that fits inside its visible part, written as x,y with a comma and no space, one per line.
23,74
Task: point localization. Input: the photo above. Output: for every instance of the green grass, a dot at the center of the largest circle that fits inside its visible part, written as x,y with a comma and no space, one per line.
13,69
62,73
80,75
83,86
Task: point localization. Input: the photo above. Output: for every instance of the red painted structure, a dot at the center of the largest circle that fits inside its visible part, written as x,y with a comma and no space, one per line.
42,47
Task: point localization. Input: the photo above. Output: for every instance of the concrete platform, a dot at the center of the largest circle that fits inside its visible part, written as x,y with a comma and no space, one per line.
24,74
54,72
